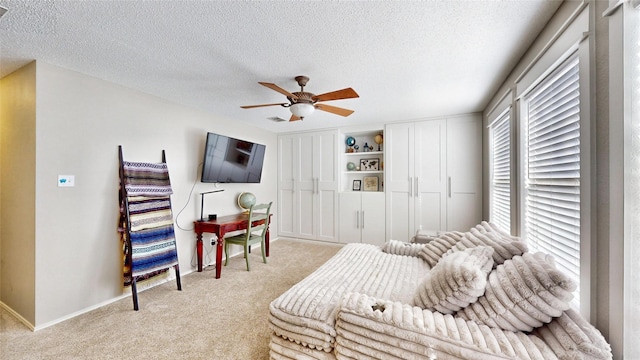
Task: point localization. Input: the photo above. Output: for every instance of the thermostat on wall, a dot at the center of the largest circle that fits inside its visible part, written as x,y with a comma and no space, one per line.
66,180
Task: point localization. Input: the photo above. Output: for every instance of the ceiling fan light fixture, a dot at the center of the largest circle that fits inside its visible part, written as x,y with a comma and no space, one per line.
302,110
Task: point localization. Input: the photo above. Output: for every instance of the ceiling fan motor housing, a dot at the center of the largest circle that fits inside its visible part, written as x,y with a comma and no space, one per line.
303,97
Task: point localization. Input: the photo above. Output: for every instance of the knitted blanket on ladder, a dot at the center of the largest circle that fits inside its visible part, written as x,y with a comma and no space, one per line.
306,313
146,179
153,245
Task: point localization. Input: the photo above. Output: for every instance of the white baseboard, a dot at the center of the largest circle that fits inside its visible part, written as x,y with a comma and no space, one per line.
126,294
324,242
17,316
80,312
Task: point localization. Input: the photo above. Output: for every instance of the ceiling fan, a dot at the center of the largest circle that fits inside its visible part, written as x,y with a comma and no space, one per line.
302,103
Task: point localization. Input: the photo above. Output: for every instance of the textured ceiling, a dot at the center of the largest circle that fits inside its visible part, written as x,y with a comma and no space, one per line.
406,60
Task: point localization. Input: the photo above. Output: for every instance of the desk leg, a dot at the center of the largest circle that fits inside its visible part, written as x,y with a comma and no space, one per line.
219,250
199,250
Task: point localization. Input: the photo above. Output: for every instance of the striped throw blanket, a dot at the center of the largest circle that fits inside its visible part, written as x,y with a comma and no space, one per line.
146,179
153,249
149,212
153,244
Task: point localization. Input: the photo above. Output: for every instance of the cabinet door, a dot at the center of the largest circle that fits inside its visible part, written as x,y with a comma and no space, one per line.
373,218
325,154
362,217
350,218
305,181
307,185
286,196
464,170
399,166
430,175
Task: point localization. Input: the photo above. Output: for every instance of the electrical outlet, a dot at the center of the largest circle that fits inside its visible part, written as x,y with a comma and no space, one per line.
66,181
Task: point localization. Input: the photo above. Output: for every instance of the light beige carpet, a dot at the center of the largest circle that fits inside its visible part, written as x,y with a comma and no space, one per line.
210,318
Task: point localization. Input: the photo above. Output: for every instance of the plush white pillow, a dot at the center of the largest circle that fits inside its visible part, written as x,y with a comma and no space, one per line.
397,247
522,294
504,245
572,337
456,281
436,248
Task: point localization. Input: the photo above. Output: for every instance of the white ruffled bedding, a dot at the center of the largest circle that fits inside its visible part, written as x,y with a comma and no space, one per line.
369,302
306,313
401,331
282,349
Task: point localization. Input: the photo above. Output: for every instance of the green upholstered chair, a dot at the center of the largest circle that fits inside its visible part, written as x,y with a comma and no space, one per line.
254,234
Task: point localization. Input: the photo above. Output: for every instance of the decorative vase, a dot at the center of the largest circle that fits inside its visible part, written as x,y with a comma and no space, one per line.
378,140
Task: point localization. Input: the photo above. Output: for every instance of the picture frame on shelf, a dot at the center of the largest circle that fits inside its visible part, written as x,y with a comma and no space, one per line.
370,164
357,185
370,183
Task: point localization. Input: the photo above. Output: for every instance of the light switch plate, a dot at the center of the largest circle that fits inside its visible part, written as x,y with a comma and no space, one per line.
66,181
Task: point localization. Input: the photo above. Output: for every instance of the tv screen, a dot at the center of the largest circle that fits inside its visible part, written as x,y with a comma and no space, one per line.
229,160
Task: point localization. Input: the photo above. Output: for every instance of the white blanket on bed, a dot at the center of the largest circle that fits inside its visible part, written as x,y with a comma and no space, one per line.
306,312
399,331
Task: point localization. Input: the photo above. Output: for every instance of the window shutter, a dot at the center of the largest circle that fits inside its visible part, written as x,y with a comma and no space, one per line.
552,203
500,131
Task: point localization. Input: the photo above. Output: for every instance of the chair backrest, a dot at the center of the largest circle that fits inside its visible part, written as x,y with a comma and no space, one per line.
259,212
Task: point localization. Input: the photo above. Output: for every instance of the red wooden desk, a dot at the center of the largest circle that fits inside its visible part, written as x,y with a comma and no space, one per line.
221,226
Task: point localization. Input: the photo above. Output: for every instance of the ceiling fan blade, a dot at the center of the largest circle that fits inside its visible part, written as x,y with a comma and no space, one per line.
262,105
294,118
347,93
278,89
334,109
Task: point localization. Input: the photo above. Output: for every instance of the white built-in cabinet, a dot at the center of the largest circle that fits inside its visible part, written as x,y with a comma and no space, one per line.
308,185
361,204
433,175
429,177
362,217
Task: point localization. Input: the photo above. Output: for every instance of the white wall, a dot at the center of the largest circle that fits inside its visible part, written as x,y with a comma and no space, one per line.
80,122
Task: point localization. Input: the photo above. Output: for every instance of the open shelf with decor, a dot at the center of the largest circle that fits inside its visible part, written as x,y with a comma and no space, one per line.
362,161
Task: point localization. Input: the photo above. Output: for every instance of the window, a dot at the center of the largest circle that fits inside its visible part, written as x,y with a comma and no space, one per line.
500,191
552,168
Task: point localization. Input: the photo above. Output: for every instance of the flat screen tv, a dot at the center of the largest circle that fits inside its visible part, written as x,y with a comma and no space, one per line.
229,160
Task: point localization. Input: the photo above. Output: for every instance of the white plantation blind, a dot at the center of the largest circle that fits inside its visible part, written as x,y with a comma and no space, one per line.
500,132
552,202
